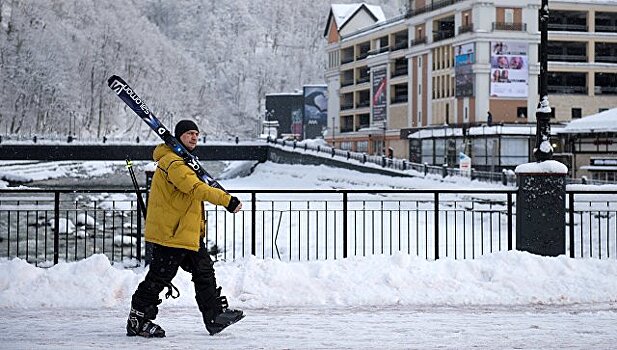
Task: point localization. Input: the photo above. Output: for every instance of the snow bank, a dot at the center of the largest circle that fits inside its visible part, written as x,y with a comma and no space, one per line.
510,278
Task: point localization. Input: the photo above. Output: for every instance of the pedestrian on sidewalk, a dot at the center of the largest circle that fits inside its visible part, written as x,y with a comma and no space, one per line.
175,226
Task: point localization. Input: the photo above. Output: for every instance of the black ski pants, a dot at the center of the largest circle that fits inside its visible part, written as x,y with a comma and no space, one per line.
163,268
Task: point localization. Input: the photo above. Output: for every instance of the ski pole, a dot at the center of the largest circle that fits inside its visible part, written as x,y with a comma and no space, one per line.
140,200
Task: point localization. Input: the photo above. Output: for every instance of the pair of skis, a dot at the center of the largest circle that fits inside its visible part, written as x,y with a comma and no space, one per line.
138,105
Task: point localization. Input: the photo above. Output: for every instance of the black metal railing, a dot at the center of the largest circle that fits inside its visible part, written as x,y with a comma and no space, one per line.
567,58
283,224
301,224
605,59
592,224
442,35
400,44
510,26
434,5
399,71
363,79
378,51
46,226
568,27
560,89
417,41
465,29
402,164
334,224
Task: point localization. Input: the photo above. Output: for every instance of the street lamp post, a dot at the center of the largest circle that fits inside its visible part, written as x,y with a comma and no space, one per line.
333,132
543,149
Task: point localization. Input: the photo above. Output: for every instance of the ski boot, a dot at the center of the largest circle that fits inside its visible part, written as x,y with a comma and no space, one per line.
221,317
140,324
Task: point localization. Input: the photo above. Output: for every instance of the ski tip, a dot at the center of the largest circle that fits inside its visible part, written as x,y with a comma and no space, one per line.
114,78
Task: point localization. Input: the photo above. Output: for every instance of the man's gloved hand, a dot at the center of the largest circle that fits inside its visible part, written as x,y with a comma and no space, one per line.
234,205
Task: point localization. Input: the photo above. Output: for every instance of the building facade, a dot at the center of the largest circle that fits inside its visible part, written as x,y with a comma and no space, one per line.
450,63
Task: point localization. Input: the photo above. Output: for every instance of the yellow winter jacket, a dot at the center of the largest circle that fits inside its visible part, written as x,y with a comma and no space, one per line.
175,211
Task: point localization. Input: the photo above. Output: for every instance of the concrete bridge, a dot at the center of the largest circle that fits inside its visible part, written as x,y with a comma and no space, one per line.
251,151
57,152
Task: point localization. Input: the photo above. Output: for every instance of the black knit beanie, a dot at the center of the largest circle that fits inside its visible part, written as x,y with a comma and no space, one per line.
184,126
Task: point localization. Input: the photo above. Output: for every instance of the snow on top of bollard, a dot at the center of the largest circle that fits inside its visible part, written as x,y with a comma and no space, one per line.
545,167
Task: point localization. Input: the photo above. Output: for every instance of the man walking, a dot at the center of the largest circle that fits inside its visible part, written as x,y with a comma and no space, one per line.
175,226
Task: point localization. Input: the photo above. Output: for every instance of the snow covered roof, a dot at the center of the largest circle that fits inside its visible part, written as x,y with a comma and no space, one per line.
342,13
512,130
600,122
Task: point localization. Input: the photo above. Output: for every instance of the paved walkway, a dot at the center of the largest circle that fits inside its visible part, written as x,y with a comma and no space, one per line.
572,327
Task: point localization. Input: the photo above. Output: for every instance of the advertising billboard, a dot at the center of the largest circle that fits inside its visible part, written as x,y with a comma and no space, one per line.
315,110
287,109
380,96
509,69
464,58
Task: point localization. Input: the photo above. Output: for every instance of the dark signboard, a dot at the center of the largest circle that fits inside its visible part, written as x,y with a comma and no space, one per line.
287,109
380,85
315,110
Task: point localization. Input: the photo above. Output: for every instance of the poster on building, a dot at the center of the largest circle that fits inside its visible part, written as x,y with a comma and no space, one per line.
509,69
315,110
464,58
380,102
464,164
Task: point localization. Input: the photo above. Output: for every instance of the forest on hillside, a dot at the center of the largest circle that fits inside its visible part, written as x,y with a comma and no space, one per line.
212,61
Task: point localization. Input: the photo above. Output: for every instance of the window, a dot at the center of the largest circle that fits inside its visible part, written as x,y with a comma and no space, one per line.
521,112
600,110
509,16
553,112
465,115
577,113
419,61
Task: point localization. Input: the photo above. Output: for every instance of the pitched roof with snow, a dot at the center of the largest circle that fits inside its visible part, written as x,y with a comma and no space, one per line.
342,13
600,122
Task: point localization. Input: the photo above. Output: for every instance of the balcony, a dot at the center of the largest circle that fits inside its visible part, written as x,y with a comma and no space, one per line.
378,51
606,59
443,35
345,106
567,58
564,27
362,55
399,45
363,79
418,41
399,99
517,27
365,103
606,90
399,71
345,60
606,28
465,29
431,7
568,90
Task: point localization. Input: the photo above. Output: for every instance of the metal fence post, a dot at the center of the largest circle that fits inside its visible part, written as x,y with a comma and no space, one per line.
510,221
436,225
56,226
571,223
344,225
253,219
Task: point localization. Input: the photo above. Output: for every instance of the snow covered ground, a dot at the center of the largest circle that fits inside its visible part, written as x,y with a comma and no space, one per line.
500,300
504,300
